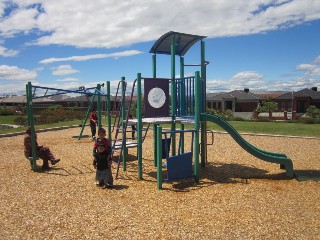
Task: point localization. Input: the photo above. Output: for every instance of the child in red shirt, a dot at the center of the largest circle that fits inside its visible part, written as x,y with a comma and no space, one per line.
107,145
93,123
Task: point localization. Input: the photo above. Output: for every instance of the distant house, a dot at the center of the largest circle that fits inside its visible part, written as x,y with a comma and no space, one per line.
17,102
236,101
298,101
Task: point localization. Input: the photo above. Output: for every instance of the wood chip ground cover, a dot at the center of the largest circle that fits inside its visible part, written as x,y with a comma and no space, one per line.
238,196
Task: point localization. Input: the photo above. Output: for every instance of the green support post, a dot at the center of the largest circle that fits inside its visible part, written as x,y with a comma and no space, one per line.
159,160
182,100
155,154
139,125
154,65
87,115
31,125
203,107
29,102
109,110
123,117
197,127
173,94
99,105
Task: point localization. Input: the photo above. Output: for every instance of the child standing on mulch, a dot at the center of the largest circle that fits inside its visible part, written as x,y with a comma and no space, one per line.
101,163
102,159
93,123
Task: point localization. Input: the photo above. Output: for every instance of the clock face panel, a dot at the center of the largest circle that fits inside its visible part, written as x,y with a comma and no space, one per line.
156,97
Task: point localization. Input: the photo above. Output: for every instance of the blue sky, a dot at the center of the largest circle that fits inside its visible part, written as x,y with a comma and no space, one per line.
269,45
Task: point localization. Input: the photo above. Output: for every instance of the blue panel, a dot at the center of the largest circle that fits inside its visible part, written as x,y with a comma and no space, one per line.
179,166
165,149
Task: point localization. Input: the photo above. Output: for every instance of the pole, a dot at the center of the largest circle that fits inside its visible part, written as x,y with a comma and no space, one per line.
139,125
99,105
292,106
182,100
197,127
109,110
123,124
173,94
31,125
203,107
87,115
159,159
154,65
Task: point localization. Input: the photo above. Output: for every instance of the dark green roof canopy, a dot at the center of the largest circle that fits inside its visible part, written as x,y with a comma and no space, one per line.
183,43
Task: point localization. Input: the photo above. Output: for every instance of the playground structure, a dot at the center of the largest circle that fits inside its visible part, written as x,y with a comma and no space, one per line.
184,104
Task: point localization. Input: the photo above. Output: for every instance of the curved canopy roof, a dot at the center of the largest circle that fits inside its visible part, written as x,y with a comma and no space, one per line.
183,43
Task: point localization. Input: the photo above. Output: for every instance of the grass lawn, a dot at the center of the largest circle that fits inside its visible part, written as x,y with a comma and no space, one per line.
282,128
7,119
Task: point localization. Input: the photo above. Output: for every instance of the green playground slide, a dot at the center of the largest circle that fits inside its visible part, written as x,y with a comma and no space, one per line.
272,157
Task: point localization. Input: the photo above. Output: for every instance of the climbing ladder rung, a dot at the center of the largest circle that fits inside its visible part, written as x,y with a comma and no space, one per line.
118,145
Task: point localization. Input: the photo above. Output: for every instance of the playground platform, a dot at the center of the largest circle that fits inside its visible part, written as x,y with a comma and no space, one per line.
163,120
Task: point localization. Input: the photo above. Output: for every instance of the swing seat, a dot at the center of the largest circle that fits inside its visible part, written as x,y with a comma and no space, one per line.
179,167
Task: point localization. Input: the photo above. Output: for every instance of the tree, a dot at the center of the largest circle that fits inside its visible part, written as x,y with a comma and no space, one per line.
134,107
267,106
313,112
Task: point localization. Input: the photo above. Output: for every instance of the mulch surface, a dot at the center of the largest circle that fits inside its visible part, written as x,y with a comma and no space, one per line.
238,196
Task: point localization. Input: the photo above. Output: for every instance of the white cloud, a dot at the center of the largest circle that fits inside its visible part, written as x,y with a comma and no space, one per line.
314,72
311,69
22,20
12,88
15,73
68,80
93,56
306,67
256,83
247,75
112,23
7,52
316,60
63,70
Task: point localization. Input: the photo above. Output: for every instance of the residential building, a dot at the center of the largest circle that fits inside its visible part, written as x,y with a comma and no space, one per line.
298,101
236,101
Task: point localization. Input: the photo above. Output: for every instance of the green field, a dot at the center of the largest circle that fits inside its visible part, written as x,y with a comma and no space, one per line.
282,128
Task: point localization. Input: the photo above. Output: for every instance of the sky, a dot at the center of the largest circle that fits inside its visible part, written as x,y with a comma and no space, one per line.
263,45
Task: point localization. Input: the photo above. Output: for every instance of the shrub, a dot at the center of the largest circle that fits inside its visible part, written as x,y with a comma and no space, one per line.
267,106
58,114
238,119
313,112
226,115
5,111
22,121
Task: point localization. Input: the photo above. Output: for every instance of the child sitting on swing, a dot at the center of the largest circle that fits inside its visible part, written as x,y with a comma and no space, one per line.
41,151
